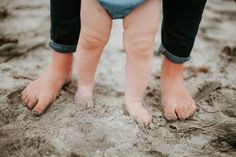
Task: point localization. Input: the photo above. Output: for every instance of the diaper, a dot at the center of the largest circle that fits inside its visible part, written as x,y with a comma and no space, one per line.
118,9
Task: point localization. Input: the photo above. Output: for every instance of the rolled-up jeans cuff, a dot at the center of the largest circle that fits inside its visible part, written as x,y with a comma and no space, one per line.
62,48
171,57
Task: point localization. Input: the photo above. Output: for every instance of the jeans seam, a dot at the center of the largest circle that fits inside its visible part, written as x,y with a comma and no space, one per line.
171,57
62,48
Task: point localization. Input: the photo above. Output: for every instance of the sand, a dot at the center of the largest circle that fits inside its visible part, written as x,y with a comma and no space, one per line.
68,130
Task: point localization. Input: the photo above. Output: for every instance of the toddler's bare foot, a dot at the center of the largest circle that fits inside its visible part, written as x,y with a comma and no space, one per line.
84,97
138,112
177,102
43,91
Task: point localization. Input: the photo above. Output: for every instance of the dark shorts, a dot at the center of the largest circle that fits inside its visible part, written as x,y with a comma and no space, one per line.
180,25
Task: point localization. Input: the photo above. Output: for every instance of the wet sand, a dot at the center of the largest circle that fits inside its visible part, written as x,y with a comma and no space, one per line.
68,130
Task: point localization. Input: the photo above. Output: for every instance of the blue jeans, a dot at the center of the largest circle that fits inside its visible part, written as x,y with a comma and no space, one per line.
180,24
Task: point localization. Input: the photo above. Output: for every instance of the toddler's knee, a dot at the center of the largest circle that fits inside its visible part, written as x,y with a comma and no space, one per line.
140,45
92,40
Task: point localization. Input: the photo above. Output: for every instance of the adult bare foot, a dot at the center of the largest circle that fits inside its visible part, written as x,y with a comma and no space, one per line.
177,102
43,91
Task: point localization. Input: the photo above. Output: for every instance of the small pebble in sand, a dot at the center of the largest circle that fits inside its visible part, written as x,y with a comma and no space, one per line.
203,69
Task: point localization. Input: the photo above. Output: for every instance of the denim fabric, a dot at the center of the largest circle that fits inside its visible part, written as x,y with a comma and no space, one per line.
65,25
118,9
62,48
180,24
171,57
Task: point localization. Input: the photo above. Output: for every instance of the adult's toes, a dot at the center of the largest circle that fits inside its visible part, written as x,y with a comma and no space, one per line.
24,91
182,112
32,102
191,109
23,96
169,113
26,100
41,106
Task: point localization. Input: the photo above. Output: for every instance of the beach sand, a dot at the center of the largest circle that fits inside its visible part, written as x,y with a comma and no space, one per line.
68,130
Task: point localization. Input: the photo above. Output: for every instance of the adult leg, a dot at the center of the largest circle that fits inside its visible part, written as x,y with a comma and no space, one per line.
94,36
65,28
140,28
180,25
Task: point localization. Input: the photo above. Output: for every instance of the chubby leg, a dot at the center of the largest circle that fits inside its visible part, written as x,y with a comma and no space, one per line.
177,102
43,91
140,28
95,31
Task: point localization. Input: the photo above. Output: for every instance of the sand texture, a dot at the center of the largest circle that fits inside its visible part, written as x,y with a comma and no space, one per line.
69,130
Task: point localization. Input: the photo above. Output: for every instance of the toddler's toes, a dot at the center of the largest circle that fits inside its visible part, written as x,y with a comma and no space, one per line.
84,101
147,119
139,113
90,103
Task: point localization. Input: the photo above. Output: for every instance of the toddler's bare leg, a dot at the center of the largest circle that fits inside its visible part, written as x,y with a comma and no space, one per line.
95,31
140,27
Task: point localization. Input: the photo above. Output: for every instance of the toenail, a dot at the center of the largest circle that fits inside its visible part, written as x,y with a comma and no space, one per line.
22,97
35,113
25,103
29,107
